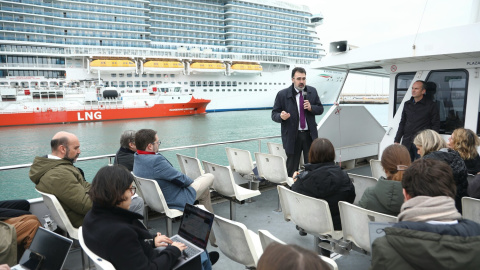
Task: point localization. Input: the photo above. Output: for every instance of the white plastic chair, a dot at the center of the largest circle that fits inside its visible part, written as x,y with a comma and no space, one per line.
100,263
266,238
237,242
311,214
145,205
240,161
225,185
278,150
272,168
361,183
355,228
156,201
61,219
190,166
377,169
471,209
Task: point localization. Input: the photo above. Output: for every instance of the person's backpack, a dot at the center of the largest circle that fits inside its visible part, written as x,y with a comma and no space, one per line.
8,244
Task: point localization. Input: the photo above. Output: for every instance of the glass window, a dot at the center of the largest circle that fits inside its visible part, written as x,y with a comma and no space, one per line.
192,83
120,75
205,83
199,83
223,83
402,82
129,75
114,75
229,83
449,89
144,84
217,83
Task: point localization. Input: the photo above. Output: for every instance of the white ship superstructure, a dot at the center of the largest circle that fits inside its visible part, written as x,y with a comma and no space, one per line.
236,53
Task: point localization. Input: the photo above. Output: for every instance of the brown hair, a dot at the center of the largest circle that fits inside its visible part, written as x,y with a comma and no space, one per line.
465,142
430,141
429,177
394,155
292,257
144,137
321,151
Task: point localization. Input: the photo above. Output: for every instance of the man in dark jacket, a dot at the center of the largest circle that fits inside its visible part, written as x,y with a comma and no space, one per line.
418,113
125,155
431,233
295,108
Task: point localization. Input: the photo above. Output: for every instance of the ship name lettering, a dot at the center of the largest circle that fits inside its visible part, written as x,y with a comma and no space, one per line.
89,116
473,63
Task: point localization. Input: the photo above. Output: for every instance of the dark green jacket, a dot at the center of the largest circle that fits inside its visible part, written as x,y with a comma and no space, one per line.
385,197
60,178
420,248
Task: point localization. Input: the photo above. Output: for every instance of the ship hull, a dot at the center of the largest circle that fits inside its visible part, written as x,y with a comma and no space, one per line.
101,113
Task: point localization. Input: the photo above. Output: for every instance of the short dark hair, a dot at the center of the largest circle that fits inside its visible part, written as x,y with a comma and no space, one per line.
424,84
144,137
298,69
109,185
321,151
127,137
55,143
292,257
429,177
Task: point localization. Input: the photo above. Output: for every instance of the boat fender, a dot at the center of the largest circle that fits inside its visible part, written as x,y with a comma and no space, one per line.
101,106
38,109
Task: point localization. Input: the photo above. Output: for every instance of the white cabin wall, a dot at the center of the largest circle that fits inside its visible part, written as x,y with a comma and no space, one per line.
473,99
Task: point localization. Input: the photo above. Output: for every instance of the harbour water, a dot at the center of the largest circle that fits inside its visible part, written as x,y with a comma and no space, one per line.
19,145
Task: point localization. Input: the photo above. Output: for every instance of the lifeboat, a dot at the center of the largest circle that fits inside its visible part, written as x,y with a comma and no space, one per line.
207,67
163,66
118,65
246,68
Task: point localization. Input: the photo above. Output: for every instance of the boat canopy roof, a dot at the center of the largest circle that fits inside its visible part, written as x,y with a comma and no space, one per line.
461,42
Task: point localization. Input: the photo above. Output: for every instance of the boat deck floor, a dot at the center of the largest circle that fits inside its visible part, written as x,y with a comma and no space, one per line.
259,214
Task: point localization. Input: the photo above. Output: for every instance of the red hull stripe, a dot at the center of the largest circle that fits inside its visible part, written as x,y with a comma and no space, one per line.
195,106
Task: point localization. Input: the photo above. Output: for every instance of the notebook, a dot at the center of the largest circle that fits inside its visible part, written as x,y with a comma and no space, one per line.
194,232
48,251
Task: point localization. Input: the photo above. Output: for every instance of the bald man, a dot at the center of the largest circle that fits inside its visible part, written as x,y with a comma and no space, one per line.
55,174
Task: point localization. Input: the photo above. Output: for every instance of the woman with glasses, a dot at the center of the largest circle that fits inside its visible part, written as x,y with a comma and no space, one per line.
387,195
116,234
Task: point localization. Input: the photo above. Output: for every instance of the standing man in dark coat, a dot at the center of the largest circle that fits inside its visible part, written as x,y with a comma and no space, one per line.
295,108
418,113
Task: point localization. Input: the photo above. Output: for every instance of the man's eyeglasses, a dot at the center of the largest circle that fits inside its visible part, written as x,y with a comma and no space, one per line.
133,190
157,142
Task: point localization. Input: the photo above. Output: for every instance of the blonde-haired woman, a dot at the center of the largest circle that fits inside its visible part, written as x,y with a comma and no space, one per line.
431,145
387,195
465,142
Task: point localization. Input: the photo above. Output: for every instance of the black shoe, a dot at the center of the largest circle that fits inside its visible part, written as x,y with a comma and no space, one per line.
213,257
300,231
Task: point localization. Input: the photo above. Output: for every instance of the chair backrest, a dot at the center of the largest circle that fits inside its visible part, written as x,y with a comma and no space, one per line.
276,149
153,195
361,183
237,242
272,168
266,238
470,178
377,169
100,264
139,189
355,222
311,214
471,209
190,166
224,183
240,160
58,214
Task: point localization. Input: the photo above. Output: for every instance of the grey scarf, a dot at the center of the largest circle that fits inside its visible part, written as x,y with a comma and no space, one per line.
425,208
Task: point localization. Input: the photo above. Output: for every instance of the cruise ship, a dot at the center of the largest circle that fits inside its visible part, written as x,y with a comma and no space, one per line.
238,54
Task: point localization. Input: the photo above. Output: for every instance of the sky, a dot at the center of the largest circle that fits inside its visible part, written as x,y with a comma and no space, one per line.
364,22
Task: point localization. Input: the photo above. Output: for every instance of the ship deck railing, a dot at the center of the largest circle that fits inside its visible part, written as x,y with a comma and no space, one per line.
196,147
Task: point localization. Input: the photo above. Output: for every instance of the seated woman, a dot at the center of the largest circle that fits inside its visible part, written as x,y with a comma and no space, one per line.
114,233
323,179
465,142
290,257
431,145
387,195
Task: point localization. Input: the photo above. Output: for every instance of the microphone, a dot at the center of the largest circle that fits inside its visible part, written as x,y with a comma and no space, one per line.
304,93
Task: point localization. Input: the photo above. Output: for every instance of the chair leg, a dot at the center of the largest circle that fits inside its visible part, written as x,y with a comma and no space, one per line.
169,227
85,260
279,208
316,242
233,211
